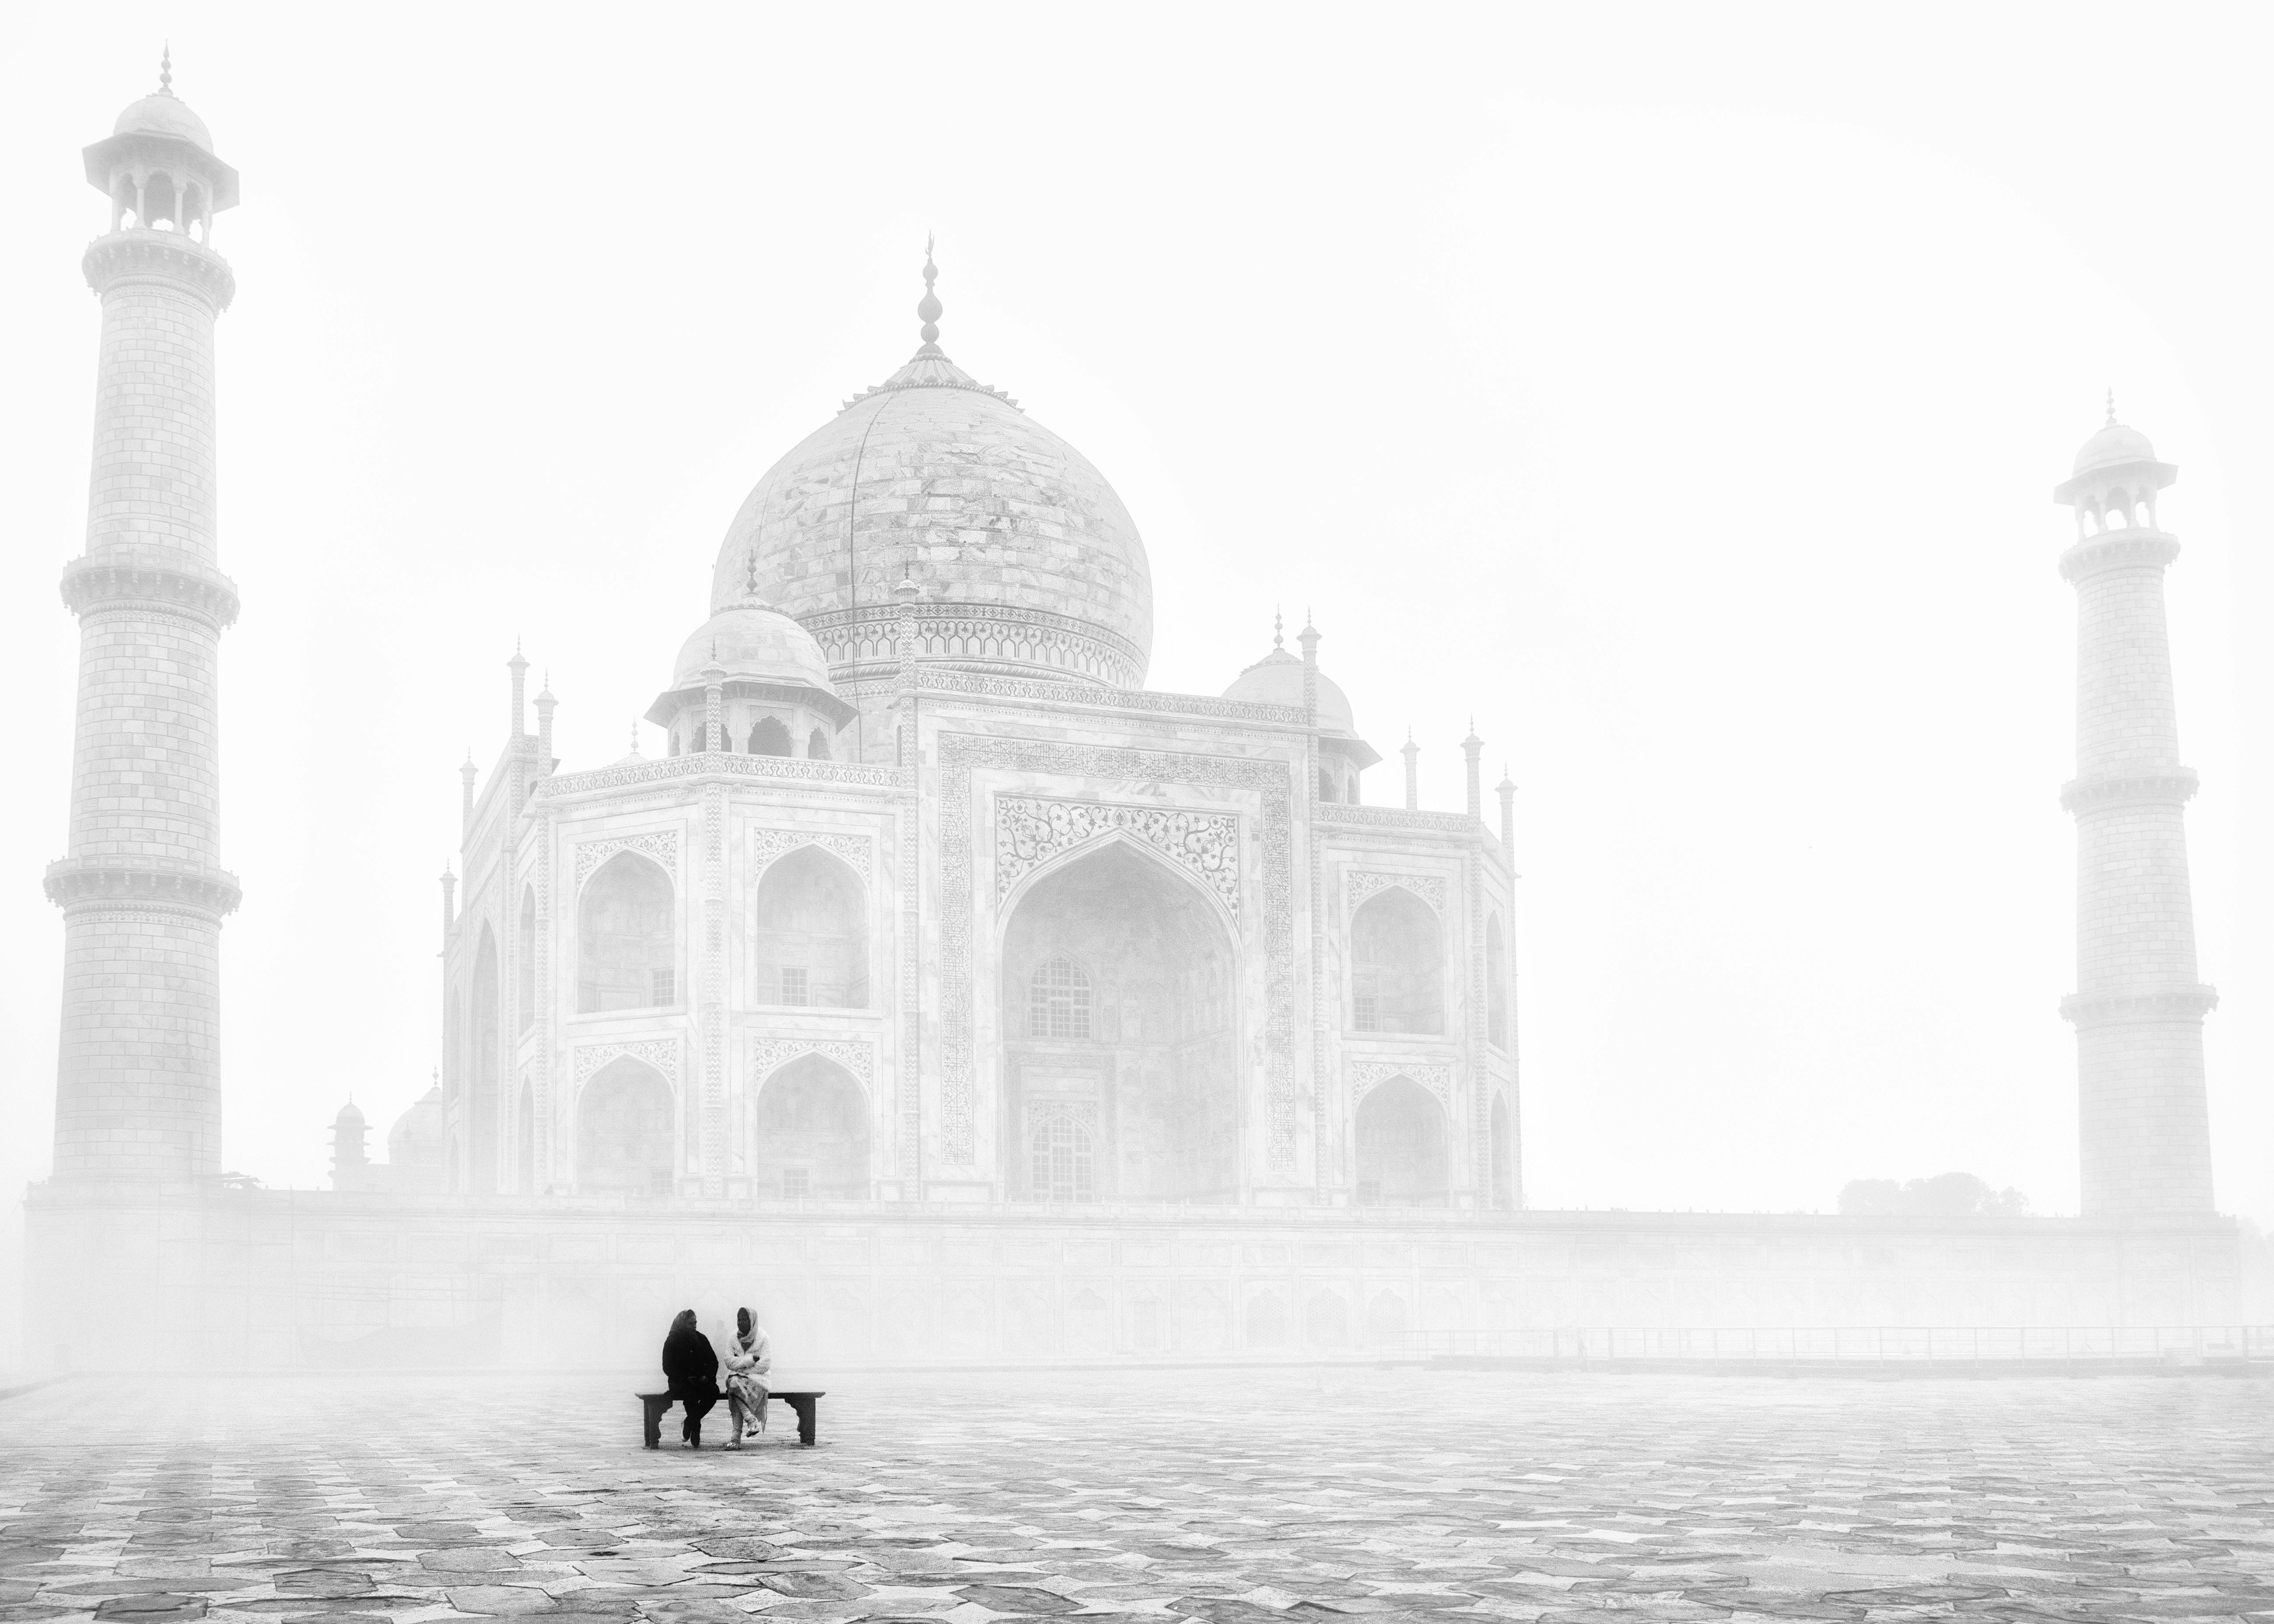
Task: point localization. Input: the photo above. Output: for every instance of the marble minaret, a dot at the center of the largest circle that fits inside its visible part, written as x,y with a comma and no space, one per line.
138,1085
2139,1007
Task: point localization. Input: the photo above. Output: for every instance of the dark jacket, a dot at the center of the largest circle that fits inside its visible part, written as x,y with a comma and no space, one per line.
689,1366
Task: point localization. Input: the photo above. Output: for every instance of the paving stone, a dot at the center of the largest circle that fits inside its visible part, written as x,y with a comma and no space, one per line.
945,1499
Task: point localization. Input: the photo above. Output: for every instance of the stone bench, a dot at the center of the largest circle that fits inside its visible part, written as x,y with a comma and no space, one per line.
808,1406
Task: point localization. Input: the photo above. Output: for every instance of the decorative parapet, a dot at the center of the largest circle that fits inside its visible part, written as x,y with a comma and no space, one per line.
1072,691
1029,832
996,636
2124,550
1398,817
2116,1009
143,883
159,256
719,764
2172,787
163,578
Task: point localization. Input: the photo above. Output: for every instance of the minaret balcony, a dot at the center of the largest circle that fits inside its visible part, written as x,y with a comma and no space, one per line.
144,255
2171,786
143,881
2114,550
149,575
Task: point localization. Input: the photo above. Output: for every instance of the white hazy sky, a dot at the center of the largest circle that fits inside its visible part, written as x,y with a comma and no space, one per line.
1677,390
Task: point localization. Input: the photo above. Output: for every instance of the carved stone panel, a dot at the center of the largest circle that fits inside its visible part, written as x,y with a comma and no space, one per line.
768,844
661,1053
661,843
1437,1078
1359,884
770,1054
1029,832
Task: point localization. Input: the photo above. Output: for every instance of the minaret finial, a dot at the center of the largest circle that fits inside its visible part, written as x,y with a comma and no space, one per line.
1278,628
166,69
930,309
751,572
635,736
2112,406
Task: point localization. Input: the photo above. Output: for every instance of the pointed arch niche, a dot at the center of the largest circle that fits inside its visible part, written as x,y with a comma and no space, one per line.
626,955
1120,1059
812,933
1402,1151
624,1137
810,1132
1397,965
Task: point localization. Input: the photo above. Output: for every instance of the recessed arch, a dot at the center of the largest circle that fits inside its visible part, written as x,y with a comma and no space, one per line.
524,1140
812,923
627,952
1397,965
810,1132
816,745
769,737
625,1132
1117,930
1403,1158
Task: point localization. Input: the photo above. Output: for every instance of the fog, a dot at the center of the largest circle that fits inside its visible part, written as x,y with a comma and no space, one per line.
1677,395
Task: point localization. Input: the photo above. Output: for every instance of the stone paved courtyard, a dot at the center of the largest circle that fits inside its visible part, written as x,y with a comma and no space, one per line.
1237,1498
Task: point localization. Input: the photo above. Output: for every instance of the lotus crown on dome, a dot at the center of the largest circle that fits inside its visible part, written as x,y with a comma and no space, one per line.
164,113
753,644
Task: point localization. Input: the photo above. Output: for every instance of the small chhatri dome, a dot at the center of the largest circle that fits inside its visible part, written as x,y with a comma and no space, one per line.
752,644
349,1117
1278,680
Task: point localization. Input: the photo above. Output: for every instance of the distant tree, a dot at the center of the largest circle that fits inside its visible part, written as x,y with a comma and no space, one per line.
1946,1195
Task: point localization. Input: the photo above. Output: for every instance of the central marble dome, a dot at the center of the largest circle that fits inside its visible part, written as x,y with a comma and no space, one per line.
1027,561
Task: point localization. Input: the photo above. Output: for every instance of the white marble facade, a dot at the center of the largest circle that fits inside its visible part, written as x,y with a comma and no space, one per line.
925,898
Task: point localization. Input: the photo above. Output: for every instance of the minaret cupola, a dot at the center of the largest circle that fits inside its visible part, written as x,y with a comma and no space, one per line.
158,167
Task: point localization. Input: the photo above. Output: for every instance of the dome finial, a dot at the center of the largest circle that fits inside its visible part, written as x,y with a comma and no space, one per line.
750,574
166,69
1278,628
931,308
2112,406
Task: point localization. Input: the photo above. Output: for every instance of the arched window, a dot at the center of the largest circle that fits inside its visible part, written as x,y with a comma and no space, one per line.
2120,517
1401,1145
1057,1001
1495,985
817,746
1267,1321
524,968
624,1131
158,203
813,933
1397,965
482,1069
1065,1163
809,1135
769,737
1326,785
625,955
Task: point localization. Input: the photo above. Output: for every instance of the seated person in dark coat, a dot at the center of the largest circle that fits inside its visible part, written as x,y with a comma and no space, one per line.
690,1372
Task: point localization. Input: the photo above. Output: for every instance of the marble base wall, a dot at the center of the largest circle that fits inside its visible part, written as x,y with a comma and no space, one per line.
264,1278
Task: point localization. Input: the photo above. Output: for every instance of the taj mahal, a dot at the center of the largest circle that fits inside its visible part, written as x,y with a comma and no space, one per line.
936,969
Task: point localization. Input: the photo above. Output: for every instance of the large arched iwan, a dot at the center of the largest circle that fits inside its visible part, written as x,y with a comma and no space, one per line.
1119,1010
